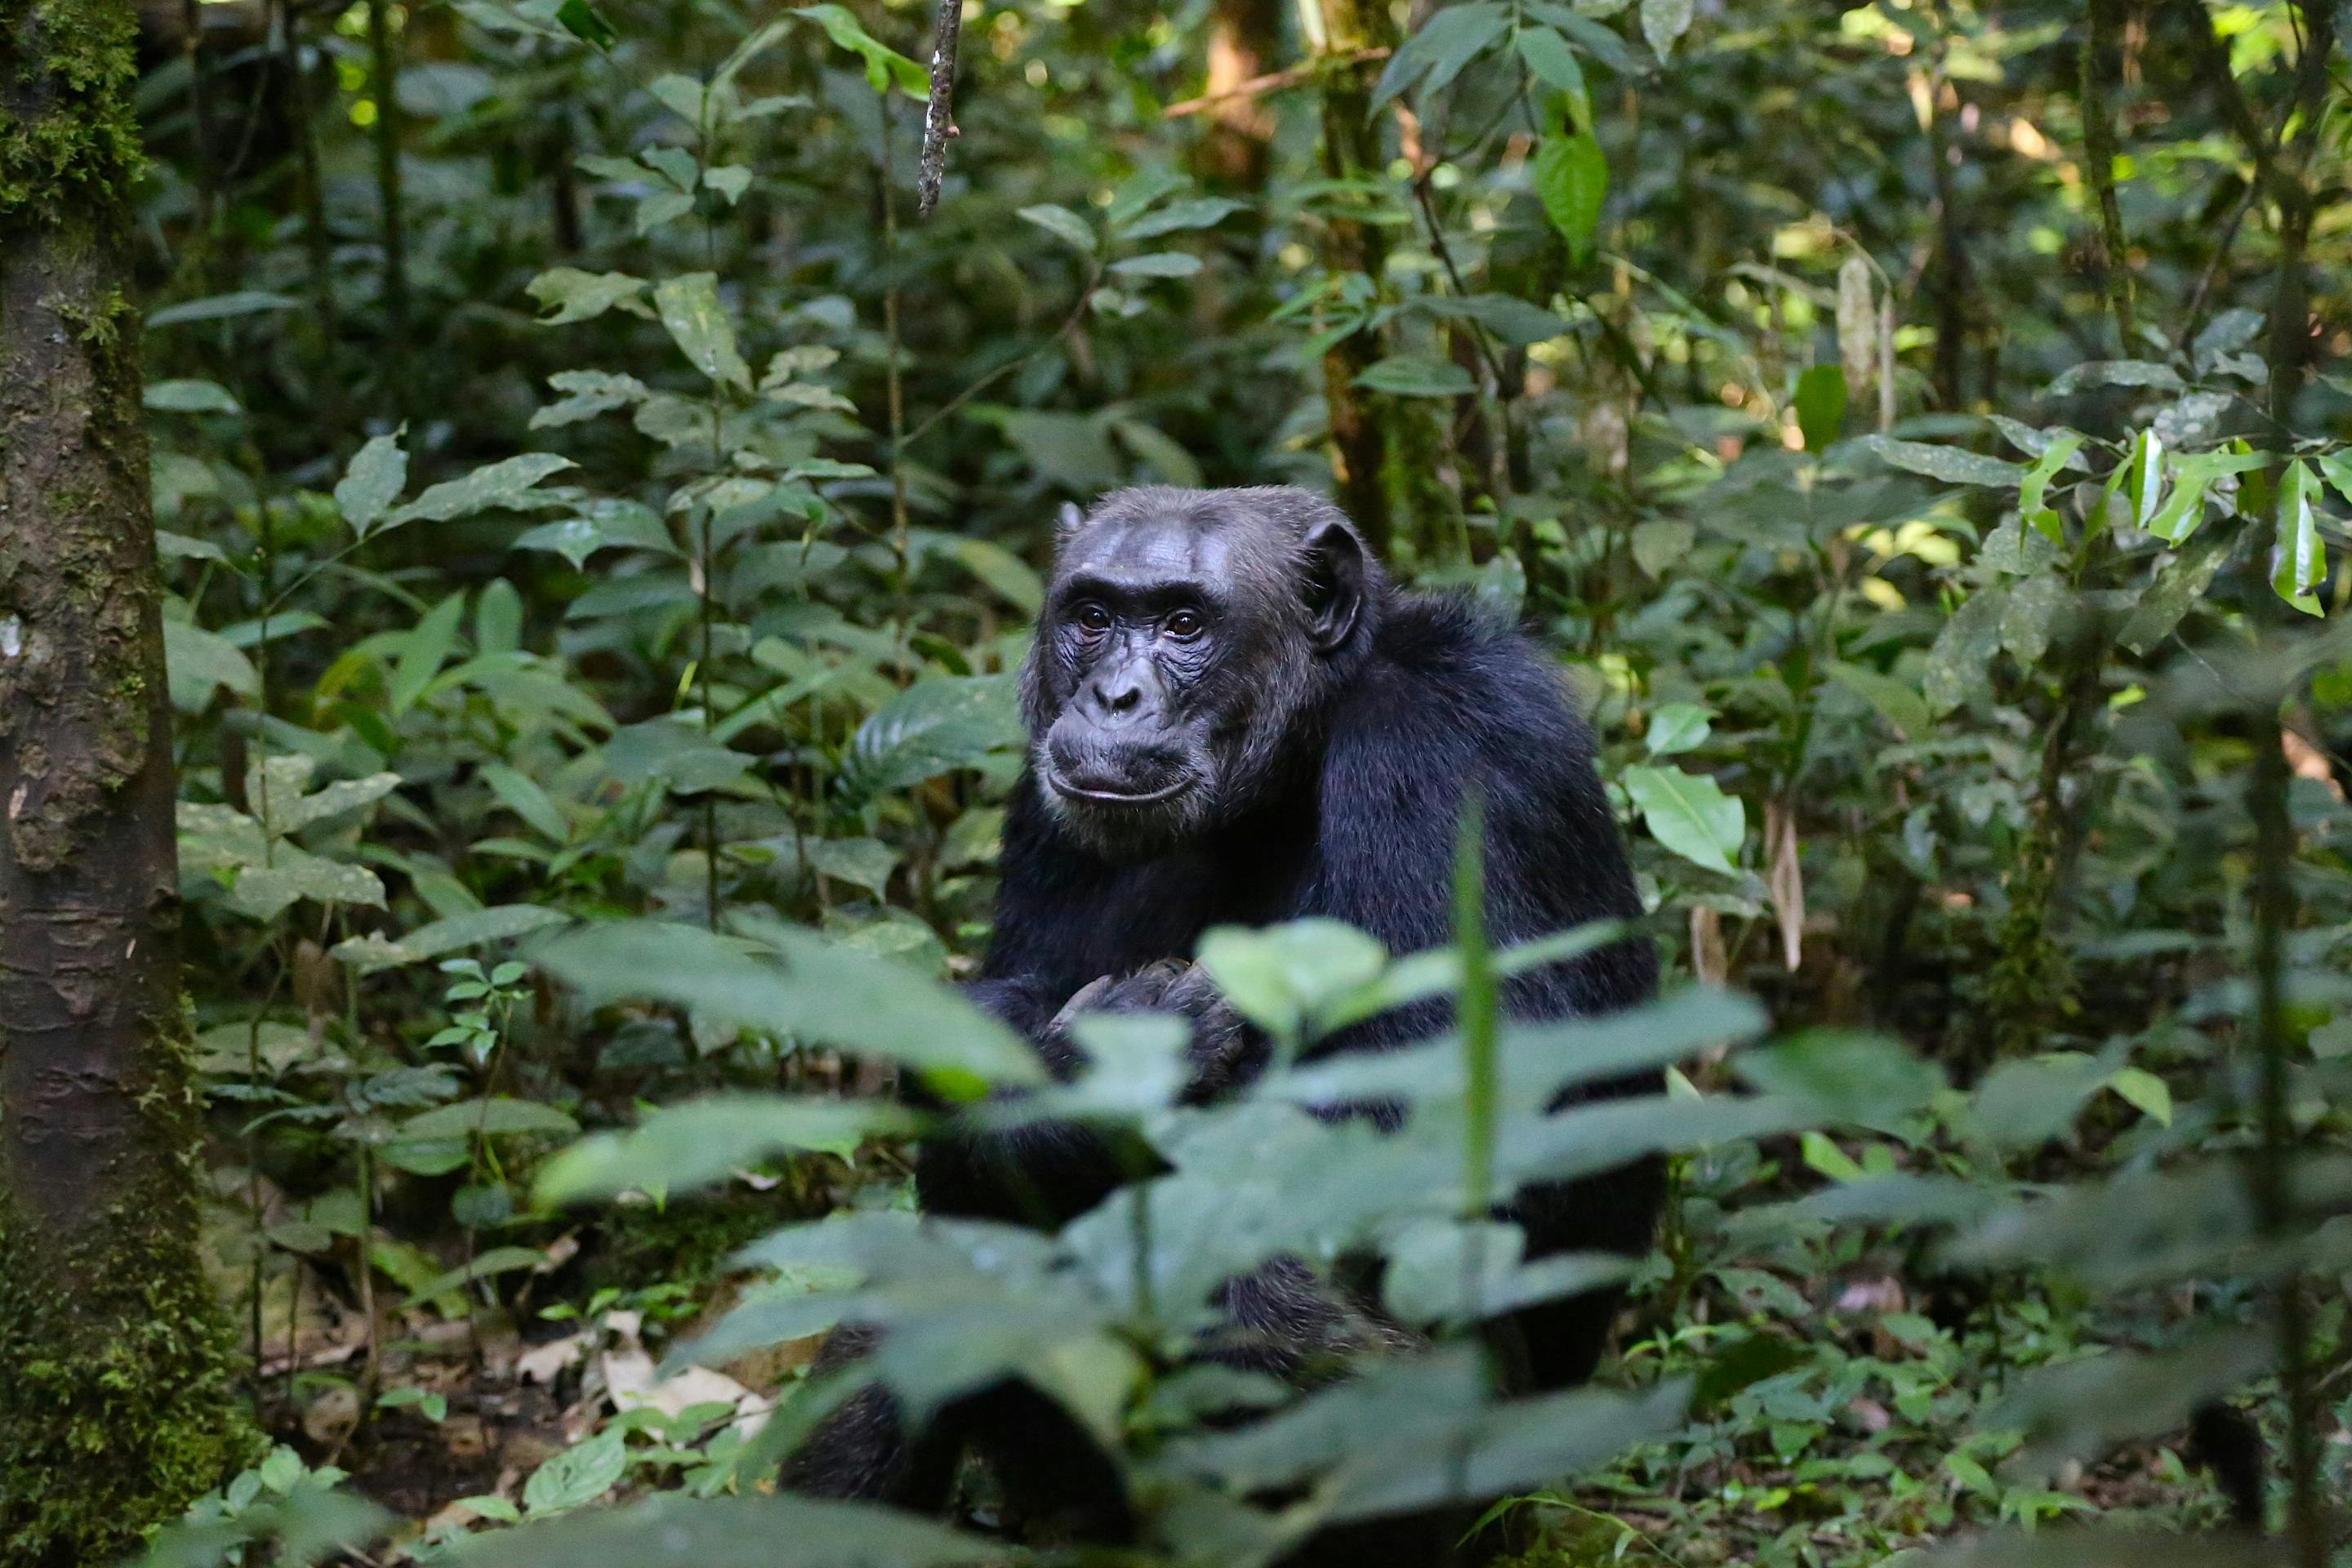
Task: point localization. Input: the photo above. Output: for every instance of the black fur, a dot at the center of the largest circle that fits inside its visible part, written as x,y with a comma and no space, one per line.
1337,722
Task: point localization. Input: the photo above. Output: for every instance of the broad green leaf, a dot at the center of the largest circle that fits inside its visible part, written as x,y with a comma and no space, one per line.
1157,264
1870,1080
605,522
1676,727
1949,464
699,325
1662,22
823,991
587,23
1440,47
190,397
1571,179
1514,320
1063,224
2116,373
1956,665
1546,55
262,891
576,1477
1417,375
681,1148
2298,560
379,471
577,296
220,306
731,1532
1896,701
197,663
522,794
2180,583
500,922
492,1118
1200,212
2036,484
1013,578
425,649
588,392
1282,976
1690,814
1820,405
861,862
933,727
884,65
508,484
2145,1092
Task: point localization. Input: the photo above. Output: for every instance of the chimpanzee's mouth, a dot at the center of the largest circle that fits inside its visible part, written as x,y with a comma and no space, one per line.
1103,794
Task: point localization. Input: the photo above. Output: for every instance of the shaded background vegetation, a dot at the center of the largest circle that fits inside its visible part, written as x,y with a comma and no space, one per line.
589,492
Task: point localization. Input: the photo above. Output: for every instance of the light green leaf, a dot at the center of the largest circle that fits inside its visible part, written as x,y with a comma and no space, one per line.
492,1118
378,472
1662,22
884,65
220,306
681,1148
197,663
190,397
1949,464
576,296
425,649
508,484
590,393
522,795
1417,375
1200,212
1546,55
1820,405
1690,814
1157,264
1063,224
1956,665
2298,560
1676,727
262,891
470,928
699,325
1571,179
2146,1092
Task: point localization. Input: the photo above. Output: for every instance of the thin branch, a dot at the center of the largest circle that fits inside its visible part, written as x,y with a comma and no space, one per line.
2099,160
1273,81
938,115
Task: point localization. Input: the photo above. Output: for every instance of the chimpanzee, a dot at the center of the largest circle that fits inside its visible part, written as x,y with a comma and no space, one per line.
1237,719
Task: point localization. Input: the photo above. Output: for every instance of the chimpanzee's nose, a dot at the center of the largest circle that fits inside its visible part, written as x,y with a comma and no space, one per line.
1119,693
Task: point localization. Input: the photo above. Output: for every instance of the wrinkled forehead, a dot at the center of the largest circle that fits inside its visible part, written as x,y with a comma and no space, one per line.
1235,558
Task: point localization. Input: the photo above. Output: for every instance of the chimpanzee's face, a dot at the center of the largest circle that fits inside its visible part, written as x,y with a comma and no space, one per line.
1176,650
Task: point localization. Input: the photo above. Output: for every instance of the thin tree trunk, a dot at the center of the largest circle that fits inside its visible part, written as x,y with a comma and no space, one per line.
1244,35
383,57
1351,147
115,1397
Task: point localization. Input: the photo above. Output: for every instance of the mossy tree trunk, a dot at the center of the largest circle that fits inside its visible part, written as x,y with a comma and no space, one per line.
115,1403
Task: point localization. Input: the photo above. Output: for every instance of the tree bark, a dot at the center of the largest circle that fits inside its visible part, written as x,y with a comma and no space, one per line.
1351,148
115,1397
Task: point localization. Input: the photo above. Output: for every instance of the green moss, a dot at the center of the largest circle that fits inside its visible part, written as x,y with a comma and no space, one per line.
117,1404
83,146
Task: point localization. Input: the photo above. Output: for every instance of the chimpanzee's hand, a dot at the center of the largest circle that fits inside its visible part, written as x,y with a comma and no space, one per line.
1222,1051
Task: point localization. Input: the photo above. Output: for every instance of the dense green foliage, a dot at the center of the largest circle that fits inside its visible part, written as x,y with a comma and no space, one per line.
601,520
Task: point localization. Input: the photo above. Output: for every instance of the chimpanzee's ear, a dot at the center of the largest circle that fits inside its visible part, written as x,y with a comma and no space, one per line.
1334,584
1066,523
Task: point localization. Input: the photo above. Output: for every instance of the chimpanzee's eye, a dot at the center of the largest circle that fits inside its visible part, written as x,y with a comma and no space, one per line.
1185,625
1092,617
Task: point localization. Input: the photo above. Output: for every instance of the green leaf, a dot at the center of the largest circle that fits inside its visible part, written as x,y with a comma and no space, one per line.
577,296
379,471
1546,55
500,922
1284,975
2298,560
220,306
1949,464
2145,1092
1200,212
861,862
1676,727
699,325
1063,224
2116,373
587,23
933,727
190,397
1514,320
263,892
1571,179
424,648
2180,583
1449,40
1896,701
507,484
1417,375
2031,489
732,1532
1852,1076
522,794
1662,22
578,1475
1010,576
197,663
589,394
493,1118
1956,665
681,1148
1690,814
884,65
1820,405
824,991
606,522
1157,264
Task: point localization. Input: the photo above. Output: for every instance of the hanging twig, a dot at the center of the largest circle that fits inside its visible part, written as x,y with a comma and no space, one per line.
1273,81
938,115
